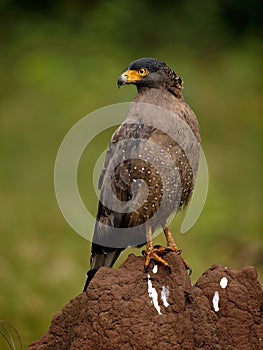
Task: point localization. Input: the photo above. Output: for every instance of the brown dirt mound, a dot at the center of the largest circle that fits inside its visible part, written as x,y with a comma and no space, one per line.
128,309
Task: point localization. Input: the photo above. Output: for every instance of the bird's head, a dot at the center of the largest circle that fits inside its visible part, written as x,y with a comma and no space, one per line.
152,73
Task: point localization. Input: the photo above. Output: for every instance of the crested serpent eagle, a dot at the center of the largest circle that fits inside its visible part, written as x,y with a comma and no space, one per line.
149,170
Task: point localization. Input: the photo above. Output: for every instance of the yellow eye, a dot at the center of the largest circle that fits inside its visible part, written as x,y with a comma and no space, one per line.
143,72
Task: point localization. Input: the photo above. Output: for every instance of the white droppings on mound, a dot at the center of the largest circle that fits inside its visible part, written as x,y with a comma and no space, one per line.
215,301
155,268
153,295
165,295
223,282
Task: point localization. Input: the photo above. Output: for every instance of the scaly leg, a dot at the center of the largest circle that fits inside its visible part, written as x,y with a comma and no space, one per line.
169,239
151,252
154,252
171,244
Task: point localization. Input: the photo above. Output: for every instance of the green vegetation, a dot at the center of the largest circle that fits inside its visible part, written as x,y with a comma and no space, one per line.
60,61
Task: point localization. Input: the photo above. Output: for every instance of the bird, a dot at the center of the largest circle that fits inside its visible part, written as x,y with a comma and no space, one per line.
149,170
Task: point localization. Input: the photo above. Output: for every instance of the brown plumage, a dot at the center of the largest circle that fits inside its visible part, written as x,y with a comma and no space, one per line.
150,166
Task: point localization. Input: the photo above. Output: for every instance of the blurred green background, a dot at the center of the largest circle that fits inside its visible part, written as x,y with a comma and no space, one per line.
59,60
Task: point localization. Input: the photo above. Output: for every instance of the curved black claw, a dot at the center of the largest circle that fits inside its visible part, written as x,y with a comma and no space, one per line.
189,269
168,268
146,268
157,246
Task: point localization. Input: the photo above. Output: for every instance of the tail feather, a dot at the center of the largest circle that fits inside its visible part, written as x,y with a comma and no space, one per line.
100,257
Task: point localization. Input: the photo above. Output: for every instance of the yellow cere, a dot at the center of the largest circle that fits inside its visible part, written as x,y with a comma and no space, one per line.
134,75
